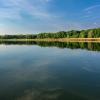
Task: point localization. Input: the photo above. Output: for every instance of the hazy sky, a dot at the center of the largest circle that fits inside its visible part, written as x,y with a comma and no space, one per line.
33,16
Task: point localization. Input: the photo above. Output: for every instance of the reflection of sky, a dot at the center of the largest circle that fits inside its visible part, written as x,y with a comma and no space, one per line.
27,67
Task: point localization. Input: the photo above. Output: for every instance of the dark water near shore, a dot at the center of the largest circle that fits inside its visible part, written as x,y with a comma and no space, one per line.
49,71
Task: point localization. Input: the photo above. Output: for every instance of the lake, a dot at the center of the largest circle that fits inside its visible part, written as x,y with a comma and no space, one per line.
49,71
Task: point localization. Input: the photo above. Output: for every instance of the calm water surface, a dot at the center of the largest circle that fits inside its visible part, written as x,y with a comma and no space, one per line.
34,72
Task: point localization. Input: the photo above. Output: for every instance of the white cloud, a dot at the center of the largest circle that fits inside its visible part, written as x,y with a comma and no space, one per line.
12,8
40,18
91,7
92,12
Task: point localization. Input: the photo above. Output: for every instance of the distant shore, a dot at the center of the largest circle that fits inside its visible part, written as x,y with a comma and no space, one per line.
56,40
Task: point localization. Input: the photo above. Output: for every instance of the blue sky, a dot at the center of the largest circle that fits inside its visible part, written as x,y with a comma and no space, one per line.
34,16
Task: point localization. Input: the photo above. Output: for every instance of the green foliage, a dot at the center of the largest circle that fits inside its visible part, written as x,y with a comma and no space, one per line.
91,33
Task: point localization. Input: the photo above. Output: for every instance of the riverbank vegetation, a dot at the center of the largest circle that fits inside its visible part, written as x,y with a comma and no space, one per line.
90,33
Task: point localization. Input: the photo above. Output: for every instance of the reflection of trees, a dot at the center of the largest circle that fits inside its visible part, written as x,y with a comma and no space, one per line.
90,46
73,45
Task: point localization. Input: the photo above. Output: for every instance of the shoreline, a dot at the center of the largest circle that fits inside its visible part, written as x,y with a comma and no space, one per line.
54,40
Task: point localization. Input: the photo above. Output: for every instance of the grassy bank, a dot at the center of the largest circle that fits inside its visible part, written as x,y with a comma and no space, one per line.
57,40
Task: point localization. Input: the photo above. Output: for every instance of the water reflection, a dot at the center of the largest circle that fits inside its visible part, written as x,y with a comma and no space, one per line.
51,94
35,73
93,46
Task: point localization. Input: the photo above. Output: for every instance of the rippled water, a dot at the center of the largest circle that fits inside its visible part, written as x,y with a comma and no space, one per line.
50,71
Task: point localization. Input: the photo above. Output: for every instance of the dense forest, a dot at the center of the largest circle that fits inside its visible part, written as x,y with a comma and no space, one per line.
90,33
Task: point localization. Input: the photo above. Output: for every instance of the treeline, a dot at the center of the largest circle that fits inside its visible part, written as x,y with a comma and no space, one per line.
90,33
